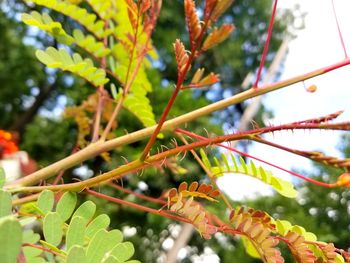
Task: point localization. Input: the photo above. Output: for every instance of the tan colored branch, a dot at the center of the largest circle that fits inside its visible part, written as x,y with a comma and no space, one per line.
99,147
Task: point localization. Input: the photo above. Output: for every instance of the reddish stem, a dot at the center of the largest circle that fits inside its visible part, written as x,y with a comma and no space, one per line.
193,135
136,206
141,196
339,31
43,249
171,101
266,46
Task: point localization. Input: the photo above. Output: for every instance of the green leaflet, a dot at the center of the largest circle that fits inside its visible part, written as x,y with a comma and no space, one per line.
90,44
76,232
2,177
52,228
86,211
123,251
283,187
100,222
60,58
101,243
10,239
249,247
77,13
46,23
46,201
139,105
76,255
66,205
103,8
5,203
283,226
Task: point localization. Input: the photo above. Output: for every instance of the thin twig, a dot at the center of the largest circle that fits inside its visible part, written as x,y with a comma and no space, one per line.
99,147
208,172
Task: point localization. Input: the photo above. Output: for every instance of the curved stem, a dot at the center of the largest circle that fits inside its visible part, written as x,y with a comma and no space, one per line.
99,147
266,46
208,172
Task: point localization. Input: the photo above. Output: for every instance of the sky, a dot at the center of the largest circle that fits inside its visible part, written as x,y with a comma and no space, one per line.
316,46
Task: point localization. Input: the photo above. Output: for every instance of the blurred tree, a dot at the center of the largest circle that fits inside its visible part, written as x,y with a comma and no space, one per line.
29,100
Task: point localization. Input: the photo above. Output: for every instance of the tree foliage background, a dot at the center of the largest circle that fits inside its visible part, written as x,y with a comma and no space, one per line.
32,99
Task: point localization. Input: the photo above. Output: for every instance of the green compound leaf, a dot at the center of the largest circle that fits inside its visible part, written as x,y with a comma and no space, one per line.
52,228
103,8
284,226
76,232
76,255
46,201
60,58
101,244
86,211
88,20
45,23
283,187
66,205
55,29
123,251
2,177
10,239
136,100
5,203
100,222
90,44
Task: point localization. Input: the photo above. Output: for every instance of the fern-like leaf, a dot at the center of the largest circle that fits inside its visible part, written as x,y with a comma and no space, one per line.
194,190
137,103
60,58
193,24
302,253
257,227
217,36
281,186
136,100
195,213
181,56
103,8
45,23
90,44
81,15
304,245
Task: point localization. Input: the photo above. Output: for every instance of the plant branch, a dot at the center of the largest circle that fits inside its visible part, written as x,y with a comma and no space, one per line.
179,83
101,95
266,46
137,206
129,81
99,147
310,180
208,172
141,196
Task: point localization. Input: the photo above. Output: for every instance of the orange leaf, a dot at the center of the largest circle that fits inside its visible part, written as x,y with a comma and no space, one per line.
217,36
194,27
